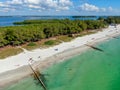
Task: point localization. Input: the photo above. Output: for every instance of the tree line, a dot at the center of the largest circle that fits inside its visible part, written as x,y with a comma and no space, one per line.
35,30
111,19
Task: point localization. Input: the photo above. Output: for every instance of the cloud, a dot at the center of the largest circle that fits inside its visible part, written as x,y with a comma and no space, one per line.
110,9
56,5
49,4
89,7
6,6
32,1
103,9
7,9
46,6
65,2
3,5
16,2
86,7
33,6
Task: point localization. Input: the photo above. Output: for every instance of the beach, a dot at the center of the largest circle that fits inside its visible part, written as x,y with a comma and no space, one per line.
15,68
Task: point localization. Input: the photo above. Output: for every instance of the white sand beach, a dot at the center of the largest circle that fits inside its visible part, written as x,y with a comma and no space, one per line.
42,55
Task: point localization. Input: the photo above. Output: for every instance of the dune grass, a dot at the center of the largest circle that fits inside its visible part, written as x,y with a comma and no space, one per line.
47,42
64,38
9,51
40,44
31,46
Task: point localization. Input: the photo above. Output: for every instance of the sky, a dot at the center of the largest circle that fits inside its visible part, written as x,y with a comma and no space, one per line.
59,7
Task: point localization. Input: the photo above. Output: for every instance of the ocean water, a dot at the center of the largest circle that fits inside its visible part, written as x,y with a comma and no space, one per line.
91,70
9,20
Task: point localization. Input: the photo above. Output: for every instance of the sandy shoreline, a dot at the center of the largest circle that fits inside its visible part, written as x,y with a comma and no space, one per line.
15,68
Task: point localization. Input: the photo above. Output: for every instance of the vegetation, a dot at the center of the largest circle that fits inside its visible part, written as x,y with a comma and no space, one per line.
36,30
84,16
42,43
31,44
9,51
50,42
111,19
64,38
30,32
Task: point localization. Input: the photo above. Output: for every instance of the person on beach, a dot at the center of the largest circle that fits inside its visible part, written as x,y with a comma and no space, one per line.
93,38
38,56
31,60
56,49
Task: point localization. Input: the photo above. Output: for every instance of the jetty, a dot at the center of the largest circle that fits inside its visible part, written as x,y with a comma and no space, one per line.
37,77
93,47
112,37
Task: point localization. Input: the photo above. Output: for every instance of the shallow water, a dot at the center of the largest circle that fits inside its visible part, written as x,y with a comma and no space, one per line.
92,70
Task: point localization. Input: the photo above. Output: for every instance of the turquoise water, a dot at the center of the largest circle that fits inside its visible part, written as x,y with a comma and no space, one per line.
92,70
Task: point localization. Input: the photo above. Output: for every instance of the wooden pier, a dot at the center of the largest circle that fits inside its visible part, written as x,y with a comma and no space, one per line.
113,37
37,77
93,47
